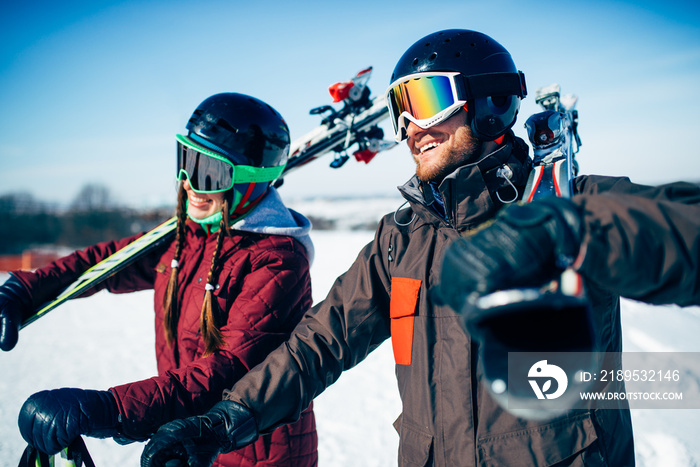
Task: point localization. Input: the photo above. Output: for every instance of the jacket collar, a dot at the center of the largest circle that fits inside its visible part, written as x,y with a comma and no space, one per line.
471,193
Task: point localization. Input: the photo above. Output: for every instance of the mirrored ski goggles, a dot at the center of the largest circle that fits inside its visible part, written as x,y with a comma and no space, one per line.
424,99
209,172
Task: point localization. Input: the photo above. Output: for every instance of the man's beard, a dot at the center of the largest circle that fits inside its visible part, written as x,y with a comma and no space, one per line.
465,150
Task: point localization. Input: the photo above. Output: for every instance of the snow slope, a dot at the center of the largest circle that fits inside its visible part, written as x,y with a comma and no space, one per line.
107,339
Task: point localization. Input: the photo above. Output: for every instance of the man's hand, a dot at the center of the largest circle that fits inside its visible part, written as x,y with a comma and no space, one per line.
14,302
197,441
526,246
51,420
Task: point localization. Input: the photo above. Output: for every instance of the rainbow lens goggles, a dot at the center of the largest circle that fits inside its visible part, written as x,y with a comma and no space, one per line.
209,172
428,99
425,99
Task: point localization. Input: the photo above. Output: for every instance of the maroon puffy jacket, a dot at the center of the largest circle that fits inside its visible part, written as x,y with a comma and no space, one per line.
263,289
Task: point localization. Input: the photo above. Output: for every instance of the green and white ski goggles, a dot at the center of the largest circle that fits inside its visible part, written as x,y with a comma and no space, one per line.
209,172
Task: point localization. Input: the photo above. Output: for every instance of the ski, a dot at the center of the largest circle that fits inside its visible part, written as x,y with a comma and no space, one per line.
555,141
110,266
356,123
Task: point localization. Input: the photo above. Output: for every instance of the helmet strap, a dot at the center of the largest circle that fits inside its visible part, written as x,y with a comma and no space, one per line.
245,204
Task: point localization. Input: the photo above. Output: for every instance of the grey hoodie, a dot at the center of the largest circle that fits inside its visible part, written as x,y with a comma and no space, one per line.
272,217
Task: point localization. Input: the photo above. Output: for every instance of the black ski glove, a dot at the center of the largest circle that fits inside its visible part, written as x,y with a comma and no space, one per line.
526,246
197,441
51,420
14,302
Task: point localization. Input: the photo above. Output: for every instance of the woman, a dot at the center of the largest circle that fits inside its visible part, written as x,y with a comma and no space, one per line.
228,290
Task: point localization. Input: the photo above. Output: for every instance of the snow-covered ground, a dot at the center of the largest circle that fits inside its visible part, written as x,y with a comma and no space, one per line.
108,339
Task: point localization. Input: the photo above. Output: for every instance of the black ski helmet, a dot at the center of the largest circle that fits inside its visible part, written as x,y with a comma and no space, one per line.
492,84
244,129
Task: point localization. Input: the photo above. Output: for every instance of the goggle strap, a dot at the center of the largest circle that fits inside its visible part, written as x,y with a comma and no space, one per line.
249,174
495,84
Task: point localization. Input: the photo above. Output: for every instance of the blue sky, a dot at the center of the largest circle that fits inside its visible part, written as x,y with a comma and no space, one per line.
94,92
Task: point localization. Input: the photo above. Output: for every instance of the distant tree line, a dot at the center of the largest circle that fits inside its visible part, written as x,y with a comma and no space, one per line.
92,217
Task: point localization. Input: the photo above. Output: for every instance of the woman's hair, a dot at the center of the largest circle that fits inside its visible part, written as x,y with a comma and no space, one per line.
211,334
213,339
170,305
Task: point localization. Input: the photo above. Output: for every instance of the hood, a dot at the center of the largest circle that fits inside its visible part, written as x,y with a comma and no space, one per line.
272,217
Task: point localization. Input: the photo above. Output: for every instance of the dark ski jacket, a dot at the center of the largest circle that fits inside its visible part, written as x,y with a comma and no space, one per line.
263,289
449,419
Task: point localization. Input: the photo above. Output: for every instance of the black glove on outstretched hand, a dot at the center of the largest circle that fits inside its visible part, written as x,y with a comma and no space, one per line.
14,302
51,420
526,245
197,441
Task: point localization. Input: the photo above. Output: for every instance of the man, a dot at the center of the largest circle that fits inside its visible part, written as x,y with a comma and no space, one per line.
454,96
